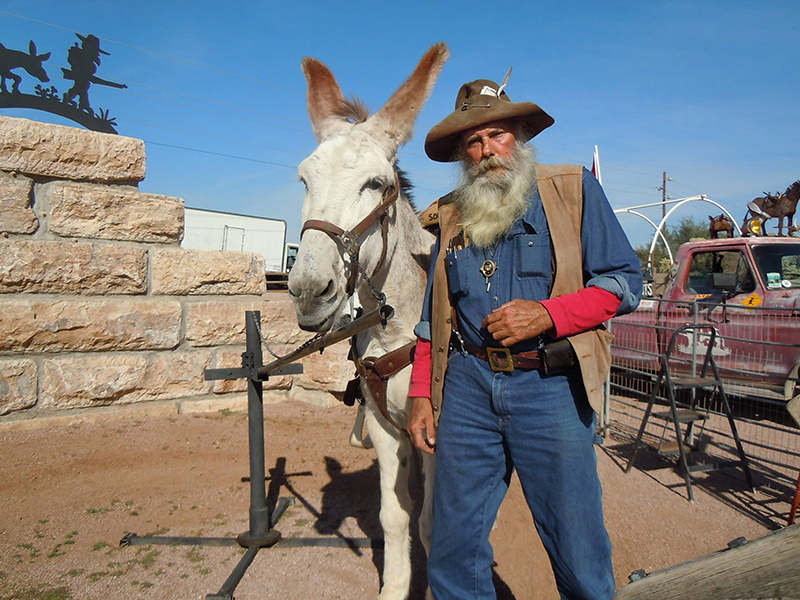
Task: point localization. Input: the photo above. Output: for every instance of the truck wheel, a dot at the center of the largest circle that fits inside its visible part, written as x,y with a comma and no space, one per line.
791,387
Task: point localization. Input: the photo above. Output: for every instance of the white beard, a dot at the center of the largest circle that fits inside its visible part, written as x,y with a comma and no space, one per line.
491,200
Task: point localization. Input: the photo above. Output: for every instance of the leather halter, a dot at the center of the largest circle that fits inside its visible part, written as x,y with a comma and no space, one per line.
351,241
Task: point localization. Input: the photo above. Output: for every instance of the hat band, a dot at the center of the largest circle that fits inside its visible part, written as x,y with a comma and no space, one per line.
468,105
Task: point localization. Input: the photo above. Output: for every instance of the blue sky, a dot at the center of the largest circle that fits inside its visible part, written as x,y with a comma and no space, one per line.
705,91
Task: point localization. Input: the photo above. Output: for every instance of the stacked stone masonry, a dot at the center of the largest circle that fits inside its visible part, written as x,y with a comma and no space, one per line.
99,304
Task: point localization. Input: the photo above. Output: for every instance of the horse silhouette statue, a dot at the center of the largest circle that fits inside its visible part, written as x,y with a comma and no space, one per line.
718,224
777,205
15,59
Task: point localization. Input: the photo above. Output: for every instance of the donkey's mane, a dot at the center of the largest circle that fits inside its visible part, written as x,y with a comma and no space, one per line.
793,189
405,186
353,110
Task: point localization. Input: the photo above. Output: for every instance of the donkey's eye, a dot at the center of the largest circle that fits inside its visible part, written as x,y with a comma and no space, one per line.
375,183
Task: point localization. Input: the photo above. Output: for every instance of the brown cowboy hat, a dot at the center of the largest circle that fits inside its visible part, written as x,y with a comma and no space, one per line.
479,102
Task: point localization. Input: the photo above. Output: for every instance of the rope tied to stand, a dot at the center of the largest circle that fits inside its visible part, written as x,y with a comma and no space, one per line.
304,345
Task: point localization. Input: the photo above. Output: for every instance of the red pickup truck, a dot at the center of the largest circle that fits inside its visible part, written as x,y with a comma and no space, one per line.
749,289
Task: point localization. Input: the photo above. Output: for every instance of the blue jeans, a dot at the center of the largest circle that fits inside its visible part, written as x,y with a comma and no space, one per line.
492,423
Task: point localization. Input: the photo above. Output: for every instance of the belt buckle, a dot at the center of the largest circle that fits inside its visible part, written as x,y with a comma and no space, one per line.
493,353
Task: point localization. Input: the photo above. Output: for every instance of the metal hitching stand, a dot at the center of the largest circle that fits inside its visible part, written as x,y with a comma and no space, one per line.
262,519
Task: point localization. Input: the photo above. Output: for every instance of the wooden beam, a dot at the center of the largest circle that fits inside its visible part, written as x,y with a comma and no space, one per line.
764,568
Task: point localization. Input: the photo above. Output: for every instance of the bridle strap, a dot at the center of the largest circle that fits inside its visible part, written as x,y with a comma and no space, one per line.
385,239
360,229
325,226
377,212
351,240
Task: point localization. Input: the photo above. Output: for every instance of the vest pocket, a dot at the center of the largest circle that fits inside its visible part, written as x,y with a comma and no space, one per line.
532,256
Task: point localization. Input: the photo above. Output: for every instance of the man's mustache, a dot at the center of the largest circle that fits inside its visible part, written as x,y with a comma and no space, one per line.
489,163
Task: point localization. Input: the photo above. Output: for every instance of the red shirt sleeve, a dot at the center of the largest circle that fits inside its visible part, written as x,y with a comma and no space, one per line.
421,371
581,311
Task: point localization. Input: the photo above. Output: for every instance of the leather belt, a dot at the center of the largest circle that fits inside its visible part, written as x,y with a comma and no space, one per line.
501,359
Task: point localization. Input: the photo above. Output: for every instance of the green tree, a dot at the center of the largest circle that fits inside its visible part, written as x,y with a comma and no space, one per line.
686,230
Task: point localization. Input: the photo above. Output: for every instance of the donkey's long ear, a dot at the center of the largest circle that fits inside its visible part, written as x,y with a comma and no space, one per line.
397,116
325,98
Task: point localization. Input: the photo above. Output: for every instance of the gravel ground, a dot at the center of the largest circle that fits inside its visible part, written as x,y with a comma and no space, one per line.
69,492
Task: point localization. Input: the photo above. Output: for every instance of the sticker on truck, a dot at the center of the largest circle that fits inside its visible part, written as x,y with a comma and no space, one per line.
752,300
773,280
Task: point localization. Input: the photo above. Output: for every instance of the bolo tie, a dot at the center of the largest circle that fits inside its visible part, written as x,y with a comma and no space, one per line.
489,267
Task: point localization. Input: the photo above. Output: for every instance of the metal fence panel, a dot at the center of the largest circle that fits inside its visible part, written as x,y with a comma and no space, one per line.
757,352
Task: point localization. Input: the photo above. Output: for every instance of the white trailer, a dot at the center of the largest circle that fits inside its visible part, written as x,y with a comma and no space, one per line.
214,230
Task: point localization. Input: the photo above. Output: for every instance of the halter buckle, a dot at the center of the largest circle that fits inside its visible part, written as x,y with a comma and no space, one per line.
350,243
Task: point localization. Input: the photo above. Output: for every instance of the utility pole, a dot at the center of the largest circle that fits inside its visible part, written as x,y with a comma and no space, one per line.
664,197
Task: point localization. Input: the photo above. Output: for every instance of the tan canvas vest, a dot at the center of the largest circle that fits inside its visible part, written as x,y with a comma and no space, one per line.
560,187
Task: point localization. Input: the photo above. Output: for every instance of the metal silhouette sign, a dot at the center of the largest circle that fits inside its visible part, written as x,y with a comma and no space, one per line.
83,59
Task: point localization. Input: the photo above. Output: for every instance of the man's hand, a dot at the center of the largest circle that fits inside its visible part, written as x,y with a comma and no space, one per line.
420,425
517,320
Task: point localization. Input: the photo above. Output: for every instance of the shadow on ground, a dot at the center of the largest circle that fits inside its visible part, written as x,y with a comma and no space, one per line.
764,506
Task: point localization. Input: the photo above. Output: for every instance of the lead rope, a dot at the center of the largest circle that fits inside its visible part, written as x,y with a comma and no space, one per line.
303,345
379,296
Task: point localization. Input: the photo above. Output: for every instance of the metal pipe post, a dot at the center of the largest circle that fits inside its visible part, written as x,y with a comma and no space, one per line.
695,321
259,512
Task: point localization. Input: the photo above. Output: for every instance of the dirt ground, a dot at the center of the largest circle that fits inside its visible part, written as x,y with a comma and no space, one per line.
68,494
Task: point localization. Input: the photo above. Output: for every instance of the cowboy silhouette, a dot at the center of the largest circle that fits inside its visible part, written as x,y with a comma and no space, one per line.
84,60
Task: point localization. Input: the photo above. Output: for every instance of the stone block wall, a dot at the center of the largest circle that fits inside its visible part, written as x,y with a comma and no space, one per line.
101,307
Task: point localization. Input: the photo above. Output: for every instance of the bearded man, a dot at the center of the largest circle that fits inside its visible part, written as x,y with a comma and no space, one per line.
511,357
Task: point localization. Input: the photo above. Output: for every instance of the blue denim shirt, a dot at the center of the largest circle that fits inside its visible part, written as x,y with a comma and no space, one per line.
523,258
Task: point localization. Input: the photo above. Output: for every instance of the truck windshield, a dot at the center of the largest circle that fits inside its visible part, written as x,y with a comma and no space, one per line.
779,265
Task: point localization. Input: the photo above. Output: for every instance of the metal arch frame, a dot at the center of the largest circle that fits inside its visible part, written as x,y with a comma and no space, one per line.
678,203
658,232
681,202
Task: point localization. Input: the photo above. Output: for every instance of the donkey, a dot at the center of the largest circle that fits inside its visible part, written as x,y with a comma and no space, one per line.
14,59
353,184
717,224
